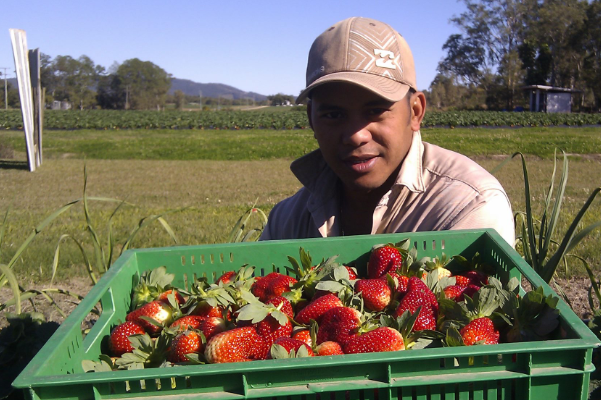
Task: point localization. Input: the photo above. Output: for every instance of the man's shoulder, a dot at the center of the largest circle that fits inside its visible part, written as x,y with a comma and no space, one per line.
452,165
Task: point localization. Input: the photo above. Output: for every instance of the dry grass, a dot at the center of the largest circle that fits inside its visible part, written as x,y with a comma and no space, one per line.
217,192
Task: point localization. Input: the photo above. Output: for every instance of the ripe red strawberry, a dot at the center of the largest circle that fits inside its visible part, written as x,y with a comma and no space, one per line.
470,290
315,309
157,310
471,277
270,329
401,281
272,285
119,339
212,326
329,348
186,342
304,335
454,292
480,330
383,259
376,293
419,295
236,345
352,273
285,307
178,297
380,339
338,324
188,321
288,345
206,310
226,277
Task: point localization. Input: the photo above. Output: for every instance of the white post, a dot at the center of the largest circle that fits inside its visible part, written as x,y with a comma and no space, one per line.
21,55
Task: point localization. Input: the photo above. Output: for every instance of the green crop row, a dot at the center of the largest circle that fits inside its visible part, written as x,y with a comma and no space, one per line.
110,119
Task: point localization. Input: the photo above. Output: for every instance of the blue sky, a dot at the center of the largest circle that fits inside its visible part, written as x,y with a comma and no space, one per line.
258,46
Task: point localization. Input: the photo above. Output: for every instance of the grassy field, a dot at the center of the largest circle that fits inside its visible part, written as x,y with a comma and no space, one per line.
217,175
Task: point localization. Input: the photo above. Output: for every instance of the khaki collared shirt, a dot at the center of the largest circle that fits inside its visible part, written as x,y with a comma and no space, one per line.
436,189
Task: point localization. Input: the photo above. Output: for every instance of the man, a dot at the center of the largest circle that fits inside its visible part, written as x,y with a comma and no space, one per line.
372,172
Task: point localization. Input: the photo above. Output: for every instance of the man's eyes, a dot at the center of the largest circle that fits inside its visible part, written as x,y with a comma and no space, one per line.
338,114
332,115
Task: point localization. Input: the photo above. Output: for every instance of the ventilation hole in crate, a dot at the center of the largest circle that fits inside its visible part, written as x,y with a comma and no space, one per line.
500,358
442,244
188,382
424,245
470,390
212,258
193,259
143,385
186,282
485,360
221,257
127,387
513,389
231,257
442,363
514,357
470,361
173,383
434,245
498,386
262,272
111,388
183,260
157,384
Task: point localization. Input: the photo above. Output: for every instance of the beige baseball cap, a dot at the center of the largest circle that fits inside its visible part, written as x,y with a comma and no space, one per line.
364,52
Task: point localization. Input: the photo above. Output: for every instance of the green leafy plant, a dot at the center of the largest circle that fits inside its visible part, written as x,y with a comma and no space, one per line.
536,235
27,332
594,300
244,231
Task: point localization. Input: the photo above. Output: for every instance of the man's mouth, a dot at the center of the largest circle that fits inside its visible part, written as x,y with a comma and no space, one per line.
361,164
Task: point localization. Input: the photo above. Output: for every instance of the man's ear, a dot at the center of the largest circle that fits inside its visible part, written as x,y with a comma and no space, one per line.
418,110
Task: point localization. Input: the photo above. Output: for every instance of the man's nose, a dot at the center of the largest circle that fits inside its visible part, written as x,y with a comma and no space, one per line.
357,133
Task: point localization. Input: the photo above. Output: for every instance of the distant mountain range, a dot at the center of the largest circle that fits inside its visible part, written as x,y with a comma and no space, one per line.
212,90
194,89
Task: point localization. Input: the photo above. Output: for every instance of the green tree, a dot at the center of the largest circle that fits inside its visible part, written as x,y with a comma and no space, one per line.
280,99
179,98
70,79
592,58
144,84
485,53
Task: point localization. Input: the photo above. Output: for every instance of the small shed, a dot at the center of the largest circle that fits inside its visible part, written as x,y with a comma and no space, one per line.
550,99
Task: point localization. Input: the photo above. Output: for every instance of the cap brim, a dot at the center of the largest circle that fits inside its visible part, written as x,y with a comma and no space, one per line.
382,86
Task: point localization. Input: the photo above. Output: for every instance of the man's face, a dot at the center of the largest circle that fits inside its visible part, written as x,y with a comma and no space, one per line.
363,137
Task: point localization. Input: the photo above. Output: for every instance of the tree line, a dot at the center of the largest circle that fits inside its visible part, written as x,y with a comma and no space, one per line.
504,45
134,84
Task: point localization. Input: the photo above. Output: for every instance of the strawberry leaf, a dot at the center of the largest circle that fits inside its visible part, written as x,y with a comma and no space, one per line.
453,338
302,352
280,317
279,352
253,312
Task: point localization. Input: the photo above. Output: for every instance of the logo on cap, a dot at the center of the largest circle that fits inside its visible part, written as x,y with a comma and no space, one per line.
382,61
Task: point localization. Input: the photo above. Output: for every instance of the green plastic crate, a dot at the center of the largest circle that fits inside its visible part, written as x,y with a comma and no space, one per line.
554,369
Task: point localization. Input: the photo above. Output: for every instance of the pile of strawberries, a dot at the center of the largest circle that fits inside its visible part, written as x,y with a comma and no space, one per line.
325,308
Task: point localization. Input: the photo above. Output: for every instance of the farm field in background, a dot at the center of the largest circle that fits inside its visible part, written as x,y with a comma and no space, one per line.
265,144
274,118
218,174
